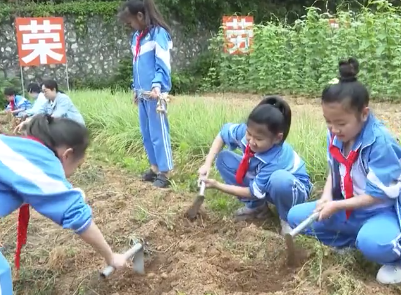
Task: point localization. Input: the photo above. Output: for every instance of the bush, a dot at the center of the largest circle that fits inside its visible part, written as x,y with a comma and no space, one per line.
194,124
4,83
303,57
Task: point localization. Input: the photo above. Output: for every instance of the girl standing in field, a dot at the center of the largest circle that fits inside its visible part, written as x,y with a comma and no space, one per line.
17,104
57,105
34,171
361,202
151,44
269,169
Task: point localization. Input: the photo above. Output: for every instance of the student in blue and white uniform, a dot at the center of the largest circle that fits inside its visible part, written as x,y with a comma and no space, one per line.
269,170
151,44
35,91
17,104
34,171
361,202
57,105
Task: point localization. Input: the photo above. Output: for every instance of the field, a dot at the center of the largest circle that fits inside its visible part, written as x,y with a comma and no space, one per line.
213,255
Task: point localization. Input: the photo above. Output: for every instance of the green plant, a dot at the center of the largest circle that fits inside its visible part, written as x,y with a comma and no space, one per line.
117,129
14,83
301,58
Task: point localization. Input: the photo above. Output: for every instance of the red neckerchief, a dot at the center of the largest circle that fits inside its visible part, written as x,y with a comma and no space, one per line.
12,105
138,43
244,165
23,221
347,162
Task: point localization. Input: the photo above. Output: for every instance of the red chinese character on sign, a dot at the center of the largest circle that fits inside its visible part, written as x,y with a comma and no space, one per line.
238,34
40,41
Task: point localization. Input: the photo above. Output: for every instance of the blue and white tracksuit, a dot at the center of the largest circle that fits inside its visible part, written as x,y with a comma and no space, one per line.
277,176
374,230
30,173
20,103
151,68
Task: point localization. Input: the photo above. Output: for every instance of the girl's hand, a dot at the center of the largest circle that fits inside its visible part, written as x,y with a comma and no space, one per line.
328,209
117,261
211,183
204,171
323,200
155,93
18,129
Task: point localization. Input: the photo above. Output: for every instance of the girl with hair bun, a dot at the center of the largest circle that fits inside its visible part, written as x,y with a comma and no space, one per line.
269,171
361,202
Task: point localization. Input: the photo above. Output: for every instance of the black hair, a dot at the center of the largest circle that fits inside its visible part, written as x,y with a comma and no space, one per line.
52,85
58,132
34,88
348,90
275,113
9,91
153,17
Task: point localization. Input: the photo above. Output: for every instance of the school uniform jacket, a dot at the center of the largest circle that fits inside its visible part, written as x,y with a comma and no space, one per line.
262,165
39,102
31,173
377,171
61,107
151,68
20,102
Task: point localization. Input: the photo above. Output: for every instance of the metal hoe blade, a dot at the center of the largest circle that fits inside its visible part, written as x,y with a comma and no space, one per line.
192,212
138,256
292,259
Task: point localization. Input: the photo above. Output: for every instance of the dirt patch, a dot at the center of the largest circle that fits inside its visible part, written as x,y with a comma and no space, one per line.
212,255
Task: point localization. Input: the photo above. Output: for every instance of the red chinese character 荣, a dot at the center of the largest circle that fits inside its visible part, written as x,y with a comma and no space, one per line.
40,41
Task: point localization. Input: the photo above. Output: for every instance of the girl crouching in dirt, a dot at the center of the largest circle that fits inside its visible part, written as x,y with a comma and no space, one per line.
151,44
361,202
17,104
34,171
269,170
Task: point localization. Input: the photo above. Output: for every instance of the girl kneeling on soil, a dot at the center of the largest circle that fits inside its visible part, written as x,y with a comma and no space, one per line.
17,104
151,44
33,172
269,170
361,202
57,105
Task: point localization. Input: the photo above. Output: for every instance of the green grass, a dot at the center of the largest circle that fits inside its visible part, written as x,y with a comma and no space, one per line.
194,123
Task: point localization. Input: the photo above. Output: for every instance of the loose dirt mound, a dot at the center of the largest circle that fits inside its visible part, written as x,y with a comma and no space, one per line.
210,256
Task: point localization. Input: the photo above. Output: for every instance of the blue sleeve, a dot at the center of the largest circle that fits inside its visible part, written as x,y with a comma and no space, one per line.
384,169
37,177
163,45
232,134
8,107
63,105
36,108
22,103
258,185
9,201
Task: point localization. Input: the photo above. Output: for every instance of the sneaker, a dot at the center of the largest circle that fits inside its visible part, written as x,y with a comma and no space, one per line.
161,181
285,227
149,176
389,274
245,213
